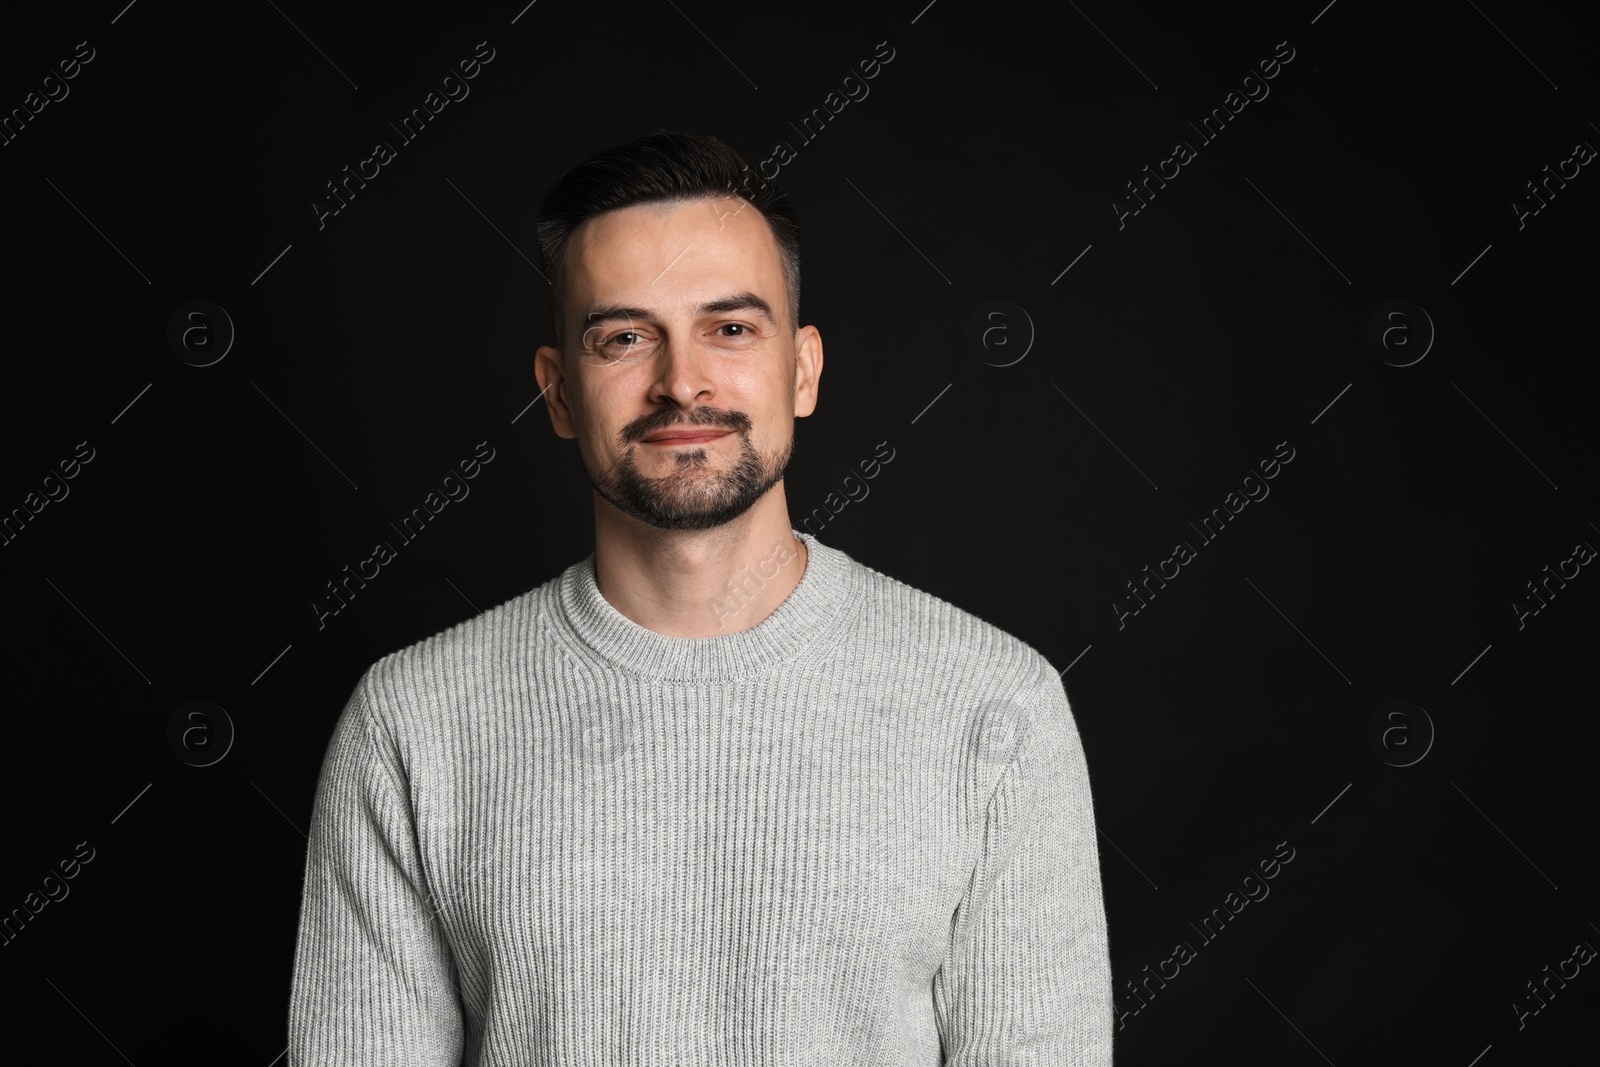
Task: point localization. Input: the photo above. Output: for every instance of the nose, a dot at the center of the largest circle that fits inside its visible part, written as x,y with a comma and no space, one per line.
683,377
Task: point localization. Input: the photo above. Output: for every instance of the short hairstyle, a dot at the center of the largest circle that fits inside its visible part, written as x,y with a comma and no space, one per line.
664,166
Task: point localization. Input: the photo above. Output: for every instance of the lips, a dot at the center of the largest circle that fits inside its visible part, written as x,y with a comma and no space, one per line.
685,437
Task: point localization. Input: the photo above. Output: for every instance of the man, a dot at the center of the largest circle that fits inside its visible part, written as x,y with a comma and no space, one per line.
718,794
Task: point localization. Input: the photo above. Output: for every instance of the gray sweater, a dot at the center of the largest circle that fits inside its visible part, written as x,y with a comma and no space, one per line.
859,833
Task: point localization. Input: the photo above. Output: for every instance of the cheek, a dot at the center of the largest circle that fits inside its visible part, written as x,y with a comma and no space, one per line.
589,402
770,406
771,387
594,437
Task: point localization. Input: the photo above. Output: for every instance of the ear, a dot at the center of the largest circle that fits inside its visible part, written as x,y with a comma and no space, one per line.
551,373
807,369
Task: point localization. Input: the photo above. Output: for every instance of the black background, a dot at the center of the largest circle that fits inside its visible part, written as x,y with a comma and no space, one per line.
1229,315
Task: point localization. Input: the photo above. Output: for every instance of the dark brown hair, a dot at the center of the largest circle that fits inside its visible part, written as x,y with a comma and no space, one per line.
664,166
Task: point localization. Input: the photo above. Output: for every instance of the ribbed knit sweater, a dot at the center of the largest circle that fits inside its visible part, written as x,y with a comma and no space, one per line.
858,833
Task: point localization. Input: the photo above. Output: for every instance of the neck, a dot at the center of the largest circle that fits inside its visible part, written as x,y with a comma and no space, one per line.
698,583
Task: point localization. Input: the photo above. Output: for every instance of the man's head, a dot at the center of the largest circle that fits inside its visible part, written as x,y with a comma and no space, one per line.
675,286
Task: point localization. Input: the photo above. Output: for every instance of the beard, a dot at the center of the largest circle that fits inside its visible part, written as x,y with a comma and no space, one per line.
694,495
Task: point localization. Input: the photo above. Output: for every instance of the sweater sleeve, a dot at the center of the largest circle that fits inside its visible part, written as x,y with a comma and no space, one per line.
1027,981
374,980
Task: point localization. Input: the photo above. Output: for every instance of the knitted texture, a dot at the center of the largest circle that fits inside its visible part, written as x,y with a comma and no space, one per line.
859,833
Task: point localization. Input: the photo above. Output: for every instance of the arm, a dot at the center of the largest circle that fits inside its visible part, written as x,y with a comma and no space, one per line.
374,980
1027,980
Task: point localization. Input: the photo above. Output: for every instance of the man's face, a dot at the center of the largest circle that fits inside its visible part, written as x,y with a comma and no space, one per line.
678,322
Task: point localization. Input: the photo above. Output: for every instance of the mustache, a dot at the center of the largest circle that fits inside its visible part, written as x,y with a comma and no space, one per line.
669,419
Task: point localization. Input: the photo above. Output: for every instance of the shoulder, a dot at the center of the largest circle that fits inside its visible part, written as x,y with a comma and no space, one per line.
1002,698
458,664
927,632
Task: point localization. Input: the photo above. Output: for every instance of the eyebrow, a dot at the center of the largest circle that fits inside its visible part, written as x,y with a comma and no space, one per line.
746,301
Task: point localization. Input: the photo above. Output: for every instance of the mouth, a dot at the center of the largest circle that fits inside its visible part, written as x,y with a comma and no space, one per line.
686,437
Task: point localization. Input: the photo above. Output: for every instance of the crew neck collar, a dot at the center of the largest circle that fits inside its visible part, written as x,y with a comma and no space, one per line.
798,625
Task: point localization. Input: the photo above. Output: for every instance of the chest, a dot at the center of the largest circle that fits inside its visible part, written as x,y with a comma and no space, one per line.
737,852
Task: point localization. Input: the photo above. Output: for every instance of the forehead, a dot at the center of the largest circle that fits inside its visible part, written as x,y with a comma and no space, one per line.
674,255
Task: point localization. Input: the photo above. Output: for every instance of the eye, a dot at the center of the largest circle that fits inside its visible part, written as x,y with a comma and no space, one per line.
742,331
623,344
